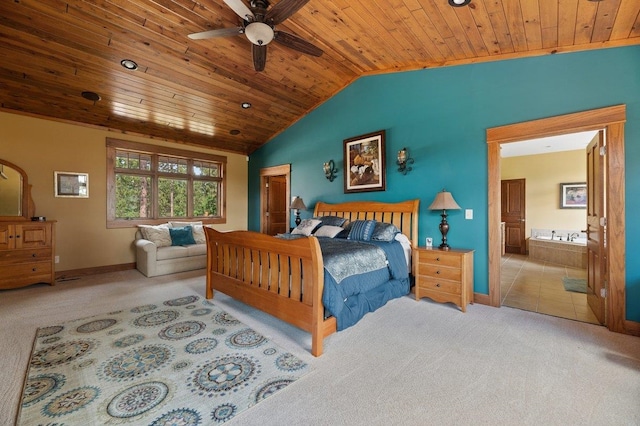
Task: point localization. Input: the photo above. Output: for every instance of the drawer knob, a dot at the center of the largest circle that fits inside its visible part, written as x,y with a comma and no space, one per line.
438,259
33,255
438,272
438,285
34,269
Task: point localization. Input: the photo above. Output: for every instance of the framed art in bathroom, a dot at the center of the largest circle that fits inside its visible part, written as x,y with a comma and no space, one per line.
573,195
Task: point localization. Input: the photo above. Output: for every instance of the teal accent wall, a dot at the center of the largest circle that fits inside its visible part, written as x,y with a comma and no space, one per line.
441,115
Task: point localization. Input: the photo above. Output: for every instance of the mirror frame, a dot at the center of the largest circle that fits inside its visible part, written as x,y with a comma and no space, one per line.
27,207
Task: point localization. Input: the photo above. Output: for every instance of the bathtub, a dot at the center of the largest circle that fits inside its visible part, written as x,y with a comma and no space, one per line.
566,253
579,241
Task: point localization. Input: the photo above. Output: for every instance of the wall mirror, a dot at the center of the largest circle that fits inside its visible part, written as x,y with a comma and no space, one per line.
15,193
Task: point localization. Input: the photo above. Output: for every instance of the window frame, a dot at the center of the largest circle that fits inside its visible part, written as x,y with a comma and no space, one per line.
156,151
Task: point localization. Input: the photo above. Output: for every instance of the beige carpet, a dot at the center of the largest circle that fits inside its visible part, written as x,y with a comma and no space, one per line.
410,363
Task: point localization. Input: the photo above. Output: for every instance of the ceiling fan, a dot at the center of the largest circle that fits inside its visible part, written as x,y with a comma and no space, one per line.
258,25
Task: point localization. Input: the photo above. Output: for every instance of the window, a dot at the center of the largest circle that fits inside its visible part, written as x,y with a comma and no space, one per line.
152,184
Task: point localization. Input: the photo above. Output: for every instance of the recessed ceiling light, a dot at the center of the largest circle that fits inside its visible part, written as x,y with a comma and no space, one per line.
459,3
129,64
235,132
91,96
246,105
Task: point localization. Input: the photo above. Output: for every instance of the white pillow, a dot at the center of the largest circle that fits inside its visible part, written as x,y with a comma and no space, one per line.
328,231
158,234
181,224
306,227
196,227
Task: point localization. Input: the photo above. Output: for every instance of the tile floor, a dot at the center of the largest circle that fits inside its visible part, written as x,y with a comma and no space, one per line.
534,285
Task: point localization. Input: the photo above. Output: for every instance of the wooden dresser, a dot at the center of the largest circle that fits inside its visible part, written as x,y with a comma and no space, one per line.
444,276
26,253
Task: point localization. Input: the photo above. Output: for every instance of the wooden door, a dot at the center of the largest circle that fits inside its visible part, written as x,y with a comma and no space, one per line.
513,215
276,205
596,228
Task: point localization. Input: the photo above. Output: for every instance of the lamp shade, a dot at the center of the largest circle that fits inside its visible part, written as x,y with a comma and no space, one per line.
298,204
444,201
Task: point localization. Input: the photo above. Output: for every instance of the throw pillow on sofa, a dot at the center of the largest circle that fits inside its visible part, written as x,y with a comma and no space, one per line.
182,236
197,228
157,234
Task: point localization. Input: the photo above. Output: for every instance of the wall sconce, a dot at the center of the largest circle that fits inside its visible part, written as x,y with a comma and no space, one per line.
403,160
330,170
444,201
297,204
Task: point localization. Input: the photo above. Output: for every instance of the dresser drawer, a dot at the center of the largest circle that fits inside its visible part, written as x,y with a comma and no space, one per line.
12,257
437,271
432,284
25,274
438,258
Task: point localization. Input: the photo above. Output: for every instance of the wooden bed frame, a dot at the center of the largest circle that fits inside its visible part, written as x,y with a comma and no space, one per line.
285,278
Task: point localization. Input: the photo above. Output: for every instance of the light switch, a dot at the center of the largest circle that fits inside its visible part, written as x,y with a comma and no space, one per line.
468,214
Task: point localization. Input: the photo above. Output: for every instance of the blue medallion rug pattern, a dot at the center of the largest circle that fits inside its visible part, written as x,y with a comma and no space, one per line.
179,362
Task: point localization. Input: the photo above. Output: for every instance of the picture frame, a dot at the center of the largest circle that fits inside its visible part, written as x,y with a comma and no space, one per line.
364,163
573,195
71,184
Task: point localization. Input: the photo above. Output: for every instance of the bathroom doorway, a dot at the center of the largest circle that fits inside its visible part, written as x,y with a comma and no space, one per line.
611,119
544,266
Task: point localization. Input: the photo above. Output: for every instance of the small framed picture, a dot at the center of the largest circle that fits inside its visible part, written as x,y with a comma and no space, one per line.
70,184
364,158
573,195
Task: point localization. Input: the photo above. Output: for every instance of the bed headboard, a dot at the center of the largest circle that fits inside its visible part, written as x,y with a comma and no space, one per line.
404,215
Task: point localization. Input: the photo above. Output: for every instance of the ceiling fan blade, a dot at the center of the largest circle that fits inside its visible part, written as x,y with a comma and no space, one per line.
222,32
283,10
259,56
240,9
296,43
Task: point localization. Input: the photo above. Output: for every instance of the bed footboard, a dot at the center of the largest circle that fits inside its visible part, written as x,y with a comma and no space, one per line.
283,278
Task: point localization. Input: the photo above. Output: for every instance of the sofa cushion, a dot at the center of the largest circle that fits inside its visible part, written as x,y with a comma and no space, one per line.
172,252
197,249
157,234
181,236
197,228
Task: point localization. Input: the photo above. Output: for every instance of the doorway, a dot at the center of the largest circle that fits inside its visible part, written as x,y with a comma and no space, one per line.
275,193
543,269
612,120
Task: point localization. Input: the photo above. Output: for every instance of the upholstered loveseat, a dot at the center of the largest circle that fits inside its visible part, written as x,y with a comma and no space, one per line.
170,248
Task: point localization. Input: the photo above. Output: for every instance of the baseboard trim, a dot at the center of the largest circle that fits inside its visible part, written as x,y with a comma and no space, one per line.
74,273
632,327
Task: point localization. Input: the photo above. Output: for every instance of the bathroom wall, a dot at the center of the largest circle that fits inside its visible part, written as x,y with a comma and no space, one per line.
544,173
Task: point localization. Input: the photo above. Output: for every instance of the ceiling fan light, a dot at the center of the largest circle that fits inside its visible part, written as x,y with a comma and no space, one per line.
259,33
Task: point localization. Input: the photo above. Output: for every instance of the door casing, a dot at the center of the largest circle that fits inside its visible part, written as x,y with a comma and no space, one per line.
611,119
265,173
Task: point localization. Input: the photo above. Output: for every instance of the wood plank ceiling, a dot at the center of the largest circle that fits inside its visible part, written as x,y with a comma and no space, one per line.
191,91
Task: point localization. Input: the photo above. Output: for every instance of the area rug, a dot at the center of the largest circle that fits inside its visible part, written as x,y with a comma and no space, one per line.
577,285
179,362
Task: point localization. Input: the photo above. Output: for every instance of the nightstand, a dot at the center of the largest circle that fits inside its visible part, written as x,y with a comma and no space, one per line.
444,275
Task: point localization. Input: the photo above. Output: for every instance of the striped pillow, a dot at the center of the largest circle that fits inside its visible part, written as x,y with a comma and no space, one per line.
362,230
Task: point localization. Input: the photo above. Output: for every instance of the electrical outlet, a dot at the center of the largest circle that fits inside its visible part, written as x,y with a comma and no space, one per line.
57,258
468,214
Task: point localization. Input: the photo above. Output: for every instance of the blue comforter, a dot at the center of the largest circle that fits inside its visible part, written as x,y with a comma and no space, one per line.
359,277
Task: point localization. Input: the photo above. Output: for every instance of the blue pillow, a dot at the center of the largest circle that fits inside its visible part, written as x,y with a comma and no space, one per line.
384,232
182,236
331,220
362,230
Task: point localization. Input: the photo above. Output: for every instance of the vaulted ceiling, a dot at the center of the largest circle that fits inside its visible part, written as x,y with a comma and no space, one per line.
191,91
